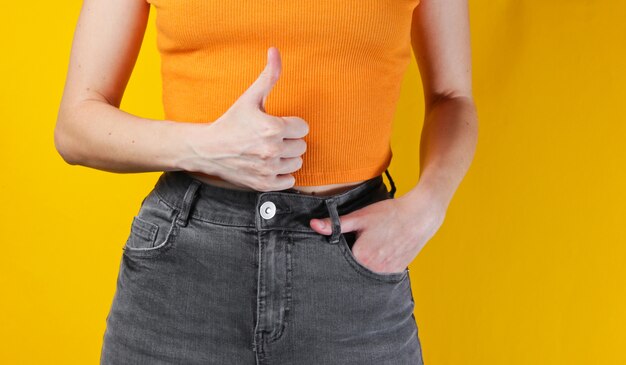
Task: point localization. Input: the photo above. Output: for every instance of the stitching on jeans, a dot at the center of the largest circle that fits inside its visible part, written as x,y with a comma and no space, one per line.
200,218
144,229
218,222
170,205
287,298
225,223
392,278
162,247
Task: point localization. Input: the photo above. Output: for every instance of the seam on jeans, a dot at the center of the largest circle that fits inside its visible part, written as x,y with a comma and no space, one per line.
229,224
287,298
167,244
200,218
144,229
258,329
291,229
219,222
247,228
170,205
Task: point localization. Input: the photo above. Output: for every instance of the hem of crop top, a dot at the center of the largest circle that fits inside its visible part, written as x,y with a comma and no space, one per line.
337,176
340,176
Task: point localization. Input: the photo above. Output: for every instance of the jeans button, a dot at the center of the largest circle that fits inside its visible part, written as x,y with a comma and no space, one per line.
268,209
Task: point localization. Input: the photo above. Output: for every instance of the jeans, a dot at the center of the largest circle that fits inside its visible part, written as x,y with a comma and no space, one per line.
212,275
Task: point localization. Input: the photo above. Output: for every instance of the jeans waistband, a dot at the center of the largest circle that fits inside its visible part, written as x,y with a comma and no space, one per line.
285,209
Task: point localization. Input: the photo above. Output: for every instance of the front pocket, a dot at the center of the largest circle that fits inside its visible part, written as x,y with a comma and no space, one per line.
153,228
346,249
142,234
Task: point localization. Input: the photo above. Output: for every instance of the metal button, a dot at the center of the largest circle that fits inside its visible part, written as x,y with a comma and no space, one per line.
268,210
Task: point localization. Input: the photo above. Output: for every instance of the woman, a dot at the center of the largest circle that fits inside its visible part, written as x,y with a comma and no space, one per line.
270,237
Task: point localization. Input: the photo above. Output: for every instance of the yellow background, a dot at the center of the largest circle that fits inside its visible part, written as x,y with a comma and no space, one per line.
528,267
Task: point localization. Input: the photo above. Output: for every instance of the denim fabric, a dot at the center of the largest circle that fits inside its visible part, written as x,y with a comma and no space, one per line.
209,277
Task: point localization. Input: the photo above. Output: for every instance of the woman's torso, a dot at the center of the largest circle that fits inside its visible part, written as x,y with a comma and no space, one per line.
342,66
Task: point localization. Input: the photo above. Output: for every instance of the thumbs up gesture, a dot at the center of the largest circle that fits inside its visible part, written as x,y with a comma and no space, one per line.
248,147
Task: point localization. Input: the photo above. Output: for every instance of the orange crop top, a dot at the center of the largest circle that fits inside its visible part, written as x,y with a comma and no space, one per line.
342,66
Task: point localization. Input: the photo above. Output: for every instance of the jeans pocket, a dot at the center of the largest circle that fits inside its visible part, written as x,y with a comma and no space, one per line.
142,234
153,229
346,241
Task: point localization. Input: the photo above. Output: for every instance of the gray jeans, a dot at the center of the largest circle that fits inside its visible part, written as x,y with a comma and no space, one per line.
211,275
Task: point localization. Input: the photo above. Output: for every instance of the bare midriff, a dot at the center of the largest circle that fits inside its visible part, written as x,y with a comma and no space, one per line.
319,190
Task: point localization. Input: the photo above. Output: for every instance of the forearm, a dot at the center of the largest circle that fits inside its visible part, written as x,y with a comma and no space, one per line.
447,147
96,134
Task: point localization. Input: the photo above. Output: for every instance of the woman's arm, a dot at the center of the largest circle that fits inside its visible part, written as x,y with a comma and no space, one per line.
441,43
91,130
391,232
245,145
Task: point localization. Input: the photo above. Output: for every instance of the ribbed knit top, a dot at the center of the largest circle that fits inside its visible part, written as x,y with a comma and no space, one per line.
342,66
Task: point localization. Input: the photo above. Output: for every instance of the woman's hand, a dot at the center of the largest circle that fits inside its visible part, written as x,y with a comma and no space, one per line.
246,146
390,233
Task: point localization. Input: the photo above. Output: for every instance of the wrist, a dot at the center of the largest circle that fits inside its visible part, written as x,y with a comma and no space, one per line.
184,137
434,191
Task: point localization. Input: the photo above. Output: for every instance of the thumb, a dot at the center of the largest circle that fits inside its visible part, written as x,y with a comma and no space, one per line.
257,93
348,222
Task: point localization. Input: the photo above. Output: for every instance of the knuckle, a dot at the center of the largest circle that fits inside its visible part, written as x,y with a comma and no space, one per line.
272,127
258,168
267,170
264,168
269,151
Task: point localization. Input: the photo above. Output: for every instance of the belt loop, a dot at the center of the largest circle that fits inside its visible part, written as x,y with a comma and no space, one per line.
392,192
331,203
188,200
